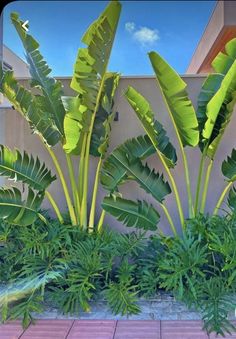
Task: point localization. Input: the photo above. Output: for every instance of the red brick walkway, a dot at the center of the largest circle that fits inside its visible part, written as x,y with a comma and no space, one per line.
106,329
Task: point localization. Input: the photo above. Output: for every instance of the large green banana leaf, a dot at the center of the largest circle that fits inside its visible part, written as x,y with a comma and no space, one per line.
39,70
24,168
151,182
216,100
209,88
137,214
89,78
153,128
179,105
15,210
112,174
140,147
30,107
104,116
219,110
229,166
76,123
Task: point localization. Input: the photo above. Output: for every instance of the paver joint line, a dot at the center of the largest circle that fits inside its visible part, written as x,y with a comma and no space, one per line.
70,329
114,334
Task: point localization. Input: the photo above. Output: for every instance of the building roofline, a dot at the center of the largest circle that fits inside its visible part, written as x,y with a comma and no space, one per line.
9,49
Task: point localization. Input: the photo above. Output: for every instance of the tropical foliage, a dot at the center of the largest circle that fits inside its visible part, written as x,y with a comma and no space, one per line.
204,128
45,265
81,125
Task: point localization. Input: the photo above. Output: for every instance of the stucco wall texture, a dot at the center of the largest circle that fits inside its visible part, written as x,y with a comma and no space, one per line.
17,134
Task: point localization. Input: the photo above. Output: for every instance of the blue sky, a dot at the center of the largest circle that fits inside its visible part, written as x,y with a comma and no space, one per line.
173,28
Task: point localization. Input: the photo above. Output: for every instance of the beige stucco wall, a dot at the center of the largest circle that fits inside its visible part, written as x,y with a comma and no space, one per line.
17,133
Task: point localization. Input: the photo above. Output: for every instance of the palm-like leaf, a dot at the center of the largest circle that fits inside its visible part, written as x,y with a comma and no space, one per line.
15,210
39,70
24,168
223,61
153,128
179,105
30,107
229,166
137,214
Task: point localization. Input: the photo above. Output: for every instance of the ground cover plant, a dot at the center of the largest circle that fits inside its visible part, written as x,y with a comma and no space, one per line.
80,125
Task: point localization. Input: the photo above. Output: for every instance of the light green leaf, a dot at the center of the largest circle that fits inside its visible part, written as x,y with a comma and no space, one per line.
153,128
91,62
176,97
24,168
223,61
17,211
76,123
39,70
133,214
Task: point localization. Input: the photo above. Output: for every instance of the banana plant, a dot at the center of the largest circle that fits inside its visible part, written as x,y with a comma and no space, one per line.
81,125
203,128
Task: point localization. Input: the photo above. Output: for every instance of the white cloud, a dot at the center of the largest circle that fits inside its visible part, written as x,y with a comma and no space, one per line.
143,35
130,26
146,36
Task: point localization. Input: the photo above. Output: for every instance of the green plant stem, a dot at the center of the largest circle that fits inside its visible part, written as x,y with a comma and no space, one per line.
205,188
221,198
101,221
83,214
64,185
199,181
175,189
185,162
187,177
81,169
55,207
73,186
94,198
165,210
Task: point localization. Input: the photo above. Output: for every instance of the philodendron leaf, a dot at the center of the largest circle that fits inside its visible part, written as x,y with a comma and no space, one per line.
179,105
153,128
39,70
229,167
15,210
24,168
31,107
133,214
